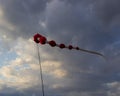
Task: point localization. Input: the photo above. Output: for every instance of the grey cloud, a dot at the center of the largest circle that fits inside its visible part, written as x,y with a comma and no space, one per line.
24,16
79,19
107,10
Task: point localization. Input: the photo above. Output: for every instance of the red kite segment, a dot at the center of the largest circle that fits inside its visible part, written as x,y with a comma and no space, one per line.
43,40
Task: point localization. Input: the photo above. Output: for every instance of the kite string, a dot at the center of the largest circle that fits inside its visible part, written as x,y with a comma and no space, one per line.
41,75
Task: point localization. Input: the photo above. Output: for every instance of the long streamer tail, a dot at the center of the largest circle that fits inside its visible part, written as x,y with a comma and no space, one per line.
92,52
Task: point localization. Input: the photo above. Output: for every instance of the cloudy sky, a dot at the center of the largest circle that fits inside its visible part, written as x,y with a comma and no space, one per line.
90,24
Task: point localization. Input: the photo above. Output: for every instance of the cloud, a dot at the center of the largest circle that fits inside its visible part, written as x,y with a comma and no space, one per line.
24,16
114,88
81,18
18,74
88,24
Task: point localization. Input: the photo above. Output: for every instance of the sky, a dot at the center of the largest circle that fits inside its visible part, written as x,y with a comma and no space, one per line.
89,24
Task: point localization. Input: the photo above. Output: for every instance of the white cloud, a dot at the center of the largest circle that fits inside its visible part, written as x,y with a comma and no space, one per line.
23,71
114,88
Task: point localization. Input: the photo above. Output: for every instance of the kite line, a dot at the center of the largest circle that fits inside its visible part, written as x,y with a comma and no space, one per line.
41,76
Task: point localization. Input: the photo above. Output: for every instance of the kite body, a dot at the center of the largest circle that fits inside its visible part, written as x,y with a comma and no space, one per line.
42,40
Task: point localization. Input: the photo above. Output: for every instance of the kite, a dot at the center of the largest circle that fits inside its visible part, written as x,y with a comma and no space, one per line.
38,38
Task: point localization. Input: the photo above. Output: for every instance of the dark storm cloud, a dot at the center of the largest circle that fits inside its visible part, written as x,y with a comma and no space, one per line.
24,15
95,24
84,19
108,10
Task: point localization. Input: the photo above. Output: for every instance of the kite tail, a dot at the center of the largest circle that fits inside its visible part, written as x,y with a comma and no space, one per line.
92,52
